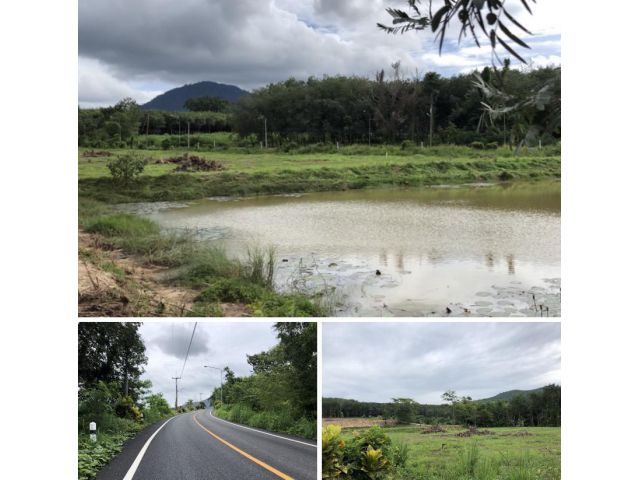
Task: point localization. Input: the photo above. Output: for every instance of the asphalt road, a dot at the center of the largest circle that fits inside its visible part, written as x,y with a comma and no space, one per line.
198,446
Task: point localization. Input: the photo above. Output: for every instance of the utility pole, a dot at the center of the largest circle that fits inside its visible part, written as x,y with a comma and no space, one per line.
188,133
431,122
265,132
210,366
147,129
176,379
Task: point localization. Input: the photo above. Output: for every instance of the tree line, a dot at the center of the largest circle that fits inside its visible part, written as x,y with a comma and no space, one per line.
347,110
280,394
537,409
111,359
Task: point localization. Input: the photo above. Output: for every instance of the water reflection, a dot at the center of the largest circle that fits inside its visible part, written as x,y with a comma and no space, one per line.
434,246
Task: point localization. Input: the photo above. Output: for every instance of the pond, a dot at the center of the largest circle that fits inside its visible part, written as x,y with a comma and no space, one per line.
473,250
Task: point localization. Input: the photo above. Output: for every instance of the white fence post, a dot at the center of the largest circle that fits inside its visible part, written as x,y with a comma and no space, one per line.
92,431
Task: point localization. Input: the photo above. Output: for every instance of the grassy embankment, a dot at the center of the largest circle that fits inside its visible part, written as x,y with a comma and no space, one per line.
281,421
213,276
352,167
503,454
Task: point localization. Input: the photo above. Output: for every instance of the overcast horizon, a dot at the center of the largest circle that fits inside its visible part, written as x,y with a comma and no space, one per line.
376,362
217,344
142,48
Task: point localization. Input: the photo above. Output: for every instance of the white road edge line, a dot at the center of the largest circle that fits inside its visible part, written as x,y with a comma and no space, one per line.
260,431
134,466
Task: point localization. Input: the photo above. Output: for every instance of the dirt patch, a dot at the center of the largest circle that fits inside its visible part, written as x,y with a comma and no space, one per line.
192,163
359,422
112,284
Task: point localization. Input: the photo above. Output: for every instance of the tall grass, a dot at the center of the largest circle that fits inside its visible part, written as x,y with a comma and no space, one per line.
281,421
471,464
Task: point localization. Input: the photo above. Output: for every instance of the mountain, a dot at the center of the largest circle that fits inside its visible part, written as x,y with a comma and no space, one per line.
512,393
173,100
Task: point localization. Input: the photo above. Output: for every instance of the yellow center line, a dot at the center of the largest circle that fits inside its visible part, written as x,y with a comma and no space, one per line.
243,453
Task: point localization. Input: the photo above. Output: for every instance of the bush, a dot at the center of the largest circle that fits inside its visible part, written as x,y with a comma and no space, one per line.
126,408
477,145
491,146
166,143
359,457
125,168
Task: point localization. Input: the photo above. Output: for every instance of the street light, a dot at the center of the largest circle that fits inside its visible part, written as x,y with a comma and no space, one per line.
211,366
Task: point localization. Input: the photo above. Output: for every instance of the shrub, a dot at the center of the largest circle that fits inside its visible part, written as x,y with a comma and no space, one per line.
359,457
407,145
126,408
491,146
166,143
125,168
477,145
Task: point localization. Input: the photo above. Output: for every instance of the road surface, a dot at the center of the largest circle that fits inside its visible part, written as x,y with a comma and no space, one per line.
199,446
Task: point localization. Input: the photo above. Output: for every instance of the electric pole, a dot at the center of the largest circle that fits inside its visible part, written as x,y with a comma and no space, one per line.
265,132
176,379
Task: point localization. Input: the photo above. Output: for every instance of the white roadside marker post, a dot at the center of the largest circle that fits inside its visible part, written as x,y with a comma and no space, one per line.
92,431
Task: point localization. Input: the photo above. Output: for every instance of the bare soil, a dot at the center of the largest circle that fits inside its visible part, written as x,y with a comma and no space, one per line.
358,422
113,284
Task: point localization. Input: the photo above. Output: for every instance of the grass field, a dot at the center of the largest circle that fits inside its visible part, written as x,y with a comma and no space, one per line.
279,172
506,453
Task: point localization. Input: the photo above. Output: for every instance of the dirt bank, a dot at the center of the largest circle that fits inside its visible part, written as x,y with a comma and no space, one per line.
113,284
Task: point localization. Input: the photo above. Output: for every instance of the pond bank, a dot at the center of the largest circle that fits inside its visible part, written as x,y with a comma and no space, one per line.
411,172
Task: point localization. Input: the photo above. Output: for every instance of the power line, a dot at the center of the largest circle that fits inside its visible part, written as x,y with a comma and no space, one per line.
189,348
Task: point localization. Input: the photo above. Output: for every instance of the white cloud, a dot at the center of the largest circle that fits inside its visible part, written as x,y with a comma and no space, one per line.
125,46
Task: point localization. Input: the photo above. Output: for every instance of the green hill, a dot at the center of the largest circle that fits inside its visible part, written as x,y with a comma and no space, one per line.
508,395
173,100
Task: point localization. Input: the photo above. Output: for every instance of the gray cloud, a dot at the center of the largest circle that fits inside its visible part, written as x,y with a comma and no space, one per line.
376,362
137,48
218,344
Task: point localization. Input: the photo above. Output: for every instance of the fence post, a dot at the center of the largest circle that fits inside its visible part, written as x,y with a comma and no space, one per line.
92,431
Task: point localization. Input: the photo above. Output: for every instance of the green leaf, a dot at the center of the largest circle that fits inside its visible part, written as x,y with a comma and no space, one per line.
435,20
511,35
510,50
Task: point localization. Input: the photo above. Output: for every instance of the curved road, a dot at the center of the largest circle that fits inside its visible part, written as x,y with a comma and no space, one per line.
199,446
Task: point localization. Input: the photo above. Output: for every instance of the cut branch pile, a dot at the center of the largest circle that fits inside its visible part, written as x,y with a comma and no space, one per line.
192,163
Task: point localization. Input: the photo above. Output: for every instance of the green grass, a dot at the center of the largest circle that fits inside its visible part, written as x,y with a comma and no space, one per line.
196,265
500,456
272,173
282,421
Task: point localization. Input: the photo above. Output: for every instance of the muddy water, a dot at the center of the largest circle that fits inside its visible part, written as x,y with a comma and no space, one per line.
472,250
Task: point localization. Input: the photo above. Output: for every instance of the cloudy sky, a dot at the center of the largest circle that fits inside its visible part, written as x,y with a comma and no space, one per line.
141,48
217,344
379,361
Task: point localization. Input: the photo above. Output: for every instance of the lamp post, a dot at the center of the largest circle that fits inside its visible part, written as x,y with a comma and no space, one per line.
217,368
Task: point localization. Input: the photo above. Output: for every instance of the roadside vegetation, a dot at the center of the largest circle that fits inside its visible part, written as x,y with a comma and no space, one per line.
280,394
111,358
